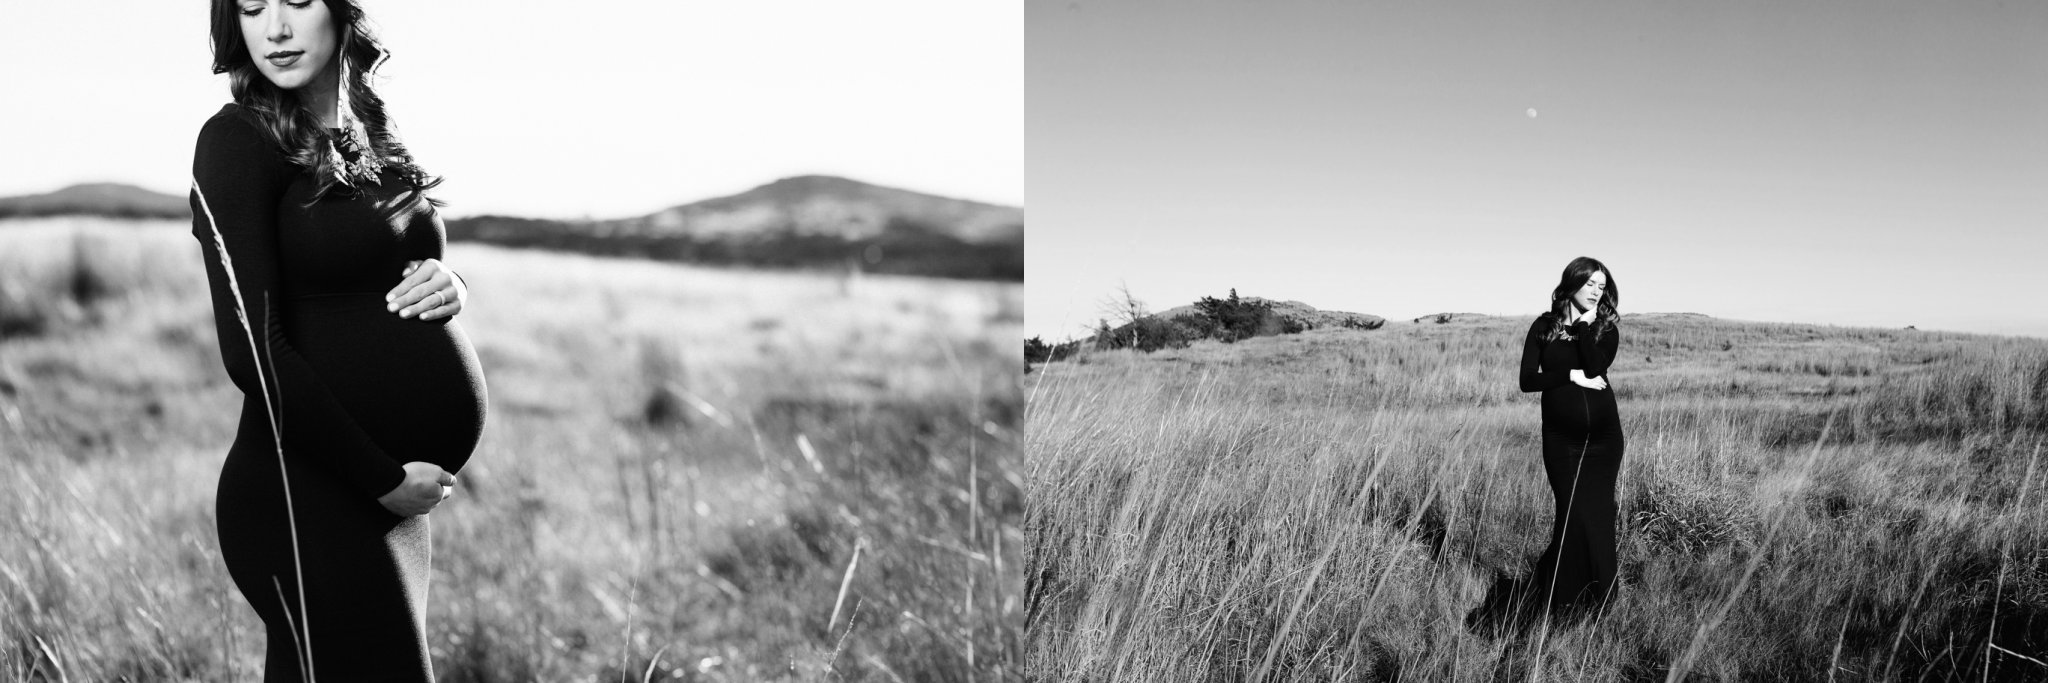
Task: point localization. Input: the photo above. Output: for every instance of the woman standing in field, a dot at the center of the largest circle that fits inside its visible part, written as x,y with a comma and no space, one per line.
1566,357
361,396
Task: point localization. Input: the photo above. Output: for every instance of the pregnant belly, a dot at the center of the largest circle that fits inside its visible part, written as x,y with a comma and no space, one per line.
1577,412
414,387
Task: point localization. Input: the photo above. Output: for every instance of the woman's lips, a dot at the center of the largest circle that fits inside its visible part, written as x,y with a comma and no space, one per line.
285,59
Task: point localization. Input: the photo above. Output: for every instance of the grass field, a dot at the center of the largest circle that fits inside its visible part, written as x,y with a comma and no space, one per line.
1799,503
679,467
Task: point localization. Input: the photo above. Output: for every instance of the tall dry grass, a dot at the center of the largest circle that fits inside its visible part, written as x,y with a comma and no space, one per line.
678,466
1797,503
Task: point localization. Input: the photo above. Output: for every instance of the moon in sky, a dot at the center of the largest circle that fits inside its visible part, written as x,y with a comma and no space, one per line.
1532,112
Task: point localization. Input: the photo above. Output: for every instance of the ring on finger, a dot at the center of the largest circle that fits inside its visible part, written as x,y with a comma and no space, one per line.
439,299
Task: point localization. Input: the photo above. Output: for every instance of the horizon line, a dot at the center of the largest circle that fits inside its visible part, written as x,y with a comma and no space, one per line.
2042,334
585,217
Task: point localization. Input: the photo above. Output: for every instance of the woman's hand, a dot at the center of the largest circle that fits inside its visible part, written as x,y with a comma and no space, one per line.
1587,316
425,486
430,290
1595,383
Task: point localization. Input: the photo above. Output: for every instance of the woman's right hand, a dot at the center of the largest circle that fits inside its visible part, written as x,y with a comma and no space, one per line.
1595,383
425,486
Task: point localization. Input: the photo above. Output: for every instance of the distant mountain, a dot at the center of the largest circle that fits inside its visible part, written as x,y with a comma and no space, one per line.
826,205
800,222
98,199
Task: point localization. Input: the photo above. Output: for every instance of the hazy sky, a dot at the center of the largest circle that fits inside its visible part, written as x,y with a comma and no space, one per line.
1867,163
560,109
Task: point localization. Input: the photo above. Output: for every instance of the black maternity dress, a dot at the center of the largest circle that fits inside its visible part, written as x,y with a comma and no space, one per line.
1582,448
356,390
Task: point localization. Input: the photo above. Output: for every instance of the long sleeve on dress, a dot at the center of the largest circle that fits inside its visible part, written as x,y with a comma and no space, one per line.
1595,356
1533,376
243,177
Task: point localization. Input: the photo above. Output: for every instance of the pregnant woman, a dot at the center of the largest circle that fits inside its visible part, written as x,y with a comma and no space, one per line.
1566,357
361,396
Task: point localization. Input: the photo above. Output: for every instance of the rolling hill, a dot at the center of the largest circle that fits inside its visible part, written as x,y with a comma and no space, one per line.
825,205
807,222
799,222
112,200
1226,320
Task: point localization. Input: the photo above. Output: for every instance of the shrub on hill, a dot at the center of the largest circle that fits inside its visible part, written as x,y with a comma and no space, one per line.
1236,319
1152,333
1228,320
1036,351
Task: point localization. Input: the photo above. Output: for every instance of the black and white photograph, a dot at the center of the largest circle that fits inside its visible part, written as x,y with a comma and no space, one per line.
1551,341
364,340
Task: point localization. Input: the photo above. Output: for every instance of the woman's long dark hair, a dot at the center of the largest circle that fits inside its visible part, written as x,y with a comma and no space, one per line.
295,129
1576,274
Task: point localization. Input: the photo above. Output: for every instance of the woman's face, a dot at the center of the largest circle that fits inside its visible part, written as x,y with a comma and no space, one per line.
1589,294
291,41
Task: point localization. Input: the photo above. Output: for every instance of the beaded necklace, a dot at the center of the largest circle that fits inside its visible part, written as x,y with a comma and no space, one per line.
353,160
350,154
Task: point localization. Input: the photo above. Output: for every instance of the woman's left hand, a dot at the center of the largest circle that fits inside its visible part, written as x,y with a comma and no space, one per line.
430,290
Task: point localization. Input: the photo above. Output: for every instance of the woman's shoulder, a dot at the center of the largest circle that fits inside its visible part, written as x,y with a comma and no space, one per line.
232,122
1543,323
234,135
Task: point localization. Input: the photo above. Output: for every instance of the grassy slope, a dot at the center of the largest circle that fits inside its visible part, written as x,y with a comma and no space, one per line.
1328,506
640,499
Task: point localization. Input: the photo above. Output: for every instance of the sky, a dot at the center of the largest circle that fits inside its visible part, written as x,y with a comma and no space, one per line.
1869,163
560,109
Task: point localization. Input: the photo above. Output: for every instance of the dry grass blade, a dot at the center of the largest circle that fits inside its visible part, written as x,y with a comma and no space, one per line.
272,410
2021,656
298,646
883,667
1907,618
34,606
632,604
1699,640
1266,663
653,665
846,584
1998,593
840,647
1408,531
1835,660
51,657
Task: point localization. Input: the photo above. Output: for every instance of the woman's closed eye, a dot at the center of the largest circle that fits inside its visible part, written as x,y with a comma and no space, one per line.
257,8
